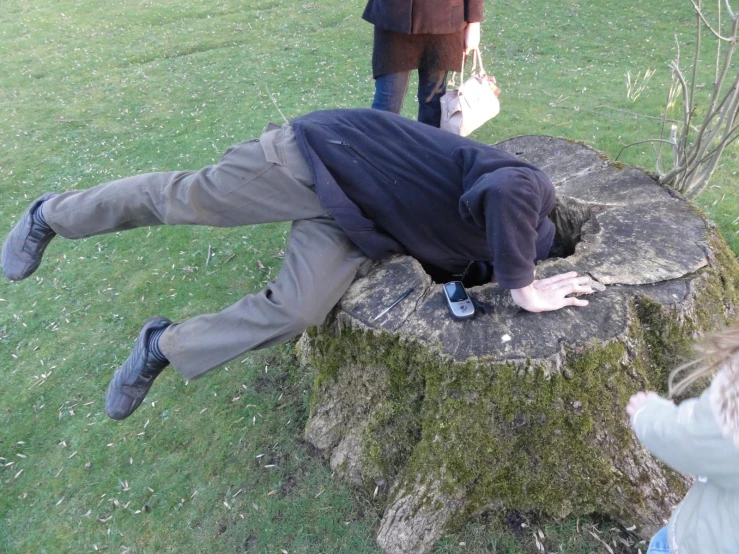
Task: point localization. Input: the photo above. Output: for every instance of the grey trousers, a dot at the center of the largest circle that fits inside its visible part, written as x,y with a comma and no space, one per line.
260,181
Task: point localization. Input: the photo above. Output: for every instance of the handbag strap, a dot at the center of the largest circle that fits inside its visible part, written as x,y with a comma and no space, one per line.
476,60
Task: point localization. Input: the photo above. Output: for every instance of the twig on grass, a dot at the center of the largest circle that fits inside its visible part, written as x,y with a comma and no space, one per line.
269,93
610,550
636,114
62,120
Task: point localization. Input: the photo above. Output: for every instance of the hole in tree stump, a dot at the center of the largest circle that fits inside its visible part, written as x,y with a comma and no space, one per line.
571,218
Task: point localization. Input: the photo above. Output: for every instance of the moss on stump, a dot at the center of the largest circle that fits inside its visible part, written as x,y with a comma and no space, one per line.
437,420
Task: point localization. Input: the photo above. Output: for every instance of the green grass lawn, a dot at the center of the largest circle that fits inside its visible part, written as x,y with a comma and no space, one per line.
91,91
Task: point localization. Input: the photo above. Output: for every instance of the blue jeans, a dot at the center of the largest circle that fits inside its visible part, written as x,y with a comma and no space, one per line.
390,92
659,544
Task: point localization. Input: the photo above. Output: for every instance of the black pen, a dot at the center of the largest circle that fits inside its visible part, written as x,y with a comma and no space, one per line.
395,303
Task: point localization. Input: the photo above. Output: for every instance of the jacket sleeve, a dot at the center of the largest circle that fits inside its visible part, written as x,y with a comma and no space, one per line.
473,11
686,437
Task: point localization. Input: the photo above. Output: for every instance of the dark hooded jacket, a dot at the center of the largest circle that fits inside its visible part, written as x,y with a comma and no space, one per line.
397,186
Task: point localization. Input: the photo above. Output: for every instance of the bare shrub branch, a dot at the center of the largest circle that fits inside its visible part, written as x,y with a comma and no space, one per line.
699,11
697,145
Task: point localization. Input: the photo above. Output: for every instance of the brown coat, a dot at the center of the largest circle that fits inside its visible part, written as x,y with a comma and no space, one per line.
436,17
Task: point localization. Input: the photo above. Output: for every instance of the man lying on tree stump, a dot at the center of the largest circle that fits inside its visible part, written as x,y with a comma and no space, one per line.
358,185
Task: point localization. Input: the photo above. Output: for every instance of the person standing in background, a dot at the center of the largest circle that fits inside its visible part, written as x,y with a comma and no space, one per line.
428,35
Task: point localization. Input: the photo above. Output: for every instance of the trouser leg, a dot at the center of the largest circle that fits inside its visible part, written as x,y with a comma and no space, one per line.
390,91
320,264
431,87
260,181
255,182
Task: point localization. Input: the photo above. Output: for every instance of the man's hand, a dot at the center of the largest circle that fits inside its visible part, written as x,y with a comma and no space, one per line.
546,295
471,37
636,401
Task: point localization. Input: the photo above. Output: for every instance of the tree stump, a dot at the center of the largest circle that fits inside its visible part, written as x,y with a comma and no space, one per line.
438,420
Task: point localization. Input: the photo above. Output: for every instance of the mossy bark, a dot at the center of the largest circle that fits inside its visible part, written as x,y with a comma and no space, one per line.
437,420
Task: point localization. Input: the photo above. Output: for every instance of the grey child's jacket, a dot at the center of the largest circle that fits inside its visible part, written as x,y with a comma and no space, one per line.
700,437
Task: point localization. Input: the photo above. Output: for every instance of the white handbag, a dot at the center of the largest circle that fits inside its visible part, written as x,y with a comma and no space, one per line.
472,103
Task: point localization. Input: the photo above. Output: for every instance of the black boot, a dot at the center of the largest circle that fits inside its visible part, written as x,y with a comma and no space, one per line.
134,378
26,243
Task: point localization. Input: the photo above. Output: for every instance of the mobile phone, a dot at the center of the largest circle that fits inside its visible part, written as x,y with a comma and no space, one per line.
458,300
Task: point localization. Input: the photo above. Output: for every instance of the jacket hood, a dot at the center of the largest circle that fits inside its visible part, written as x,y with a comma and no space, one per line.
725,401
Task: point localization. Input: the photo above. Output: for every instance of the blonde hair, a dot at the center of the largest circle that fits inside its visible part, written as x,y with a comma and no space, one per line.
718,350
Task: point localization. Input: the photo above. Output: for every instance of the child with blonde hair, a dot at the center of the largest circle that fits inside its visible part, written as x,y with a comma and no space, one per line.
700,437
